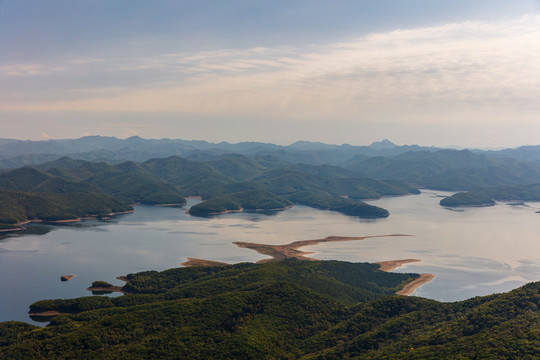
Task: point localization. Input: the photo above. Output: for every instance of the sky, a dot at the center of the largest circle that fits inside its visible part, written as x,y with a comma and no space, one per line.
430,72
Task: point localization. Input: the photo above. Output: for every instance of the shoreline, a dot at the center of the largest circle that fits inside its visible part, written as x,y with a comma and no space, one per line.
410,287
240,210
469,205
393,264
89,217
201,262
216,213
107,289
11,229
172,204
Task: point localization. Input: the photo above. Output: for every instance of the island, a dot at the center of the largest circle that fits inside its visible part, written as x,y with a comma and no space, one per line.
486,196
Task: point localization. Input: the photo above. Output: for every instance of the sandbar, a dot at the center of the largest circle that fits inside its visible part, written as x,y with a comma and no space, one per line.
202,262
11,229
280,252
409,288
62,221
392,264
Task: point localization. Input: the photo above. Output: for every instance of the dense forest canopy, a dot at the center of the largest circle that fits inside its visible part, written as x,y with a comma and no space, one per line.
288,309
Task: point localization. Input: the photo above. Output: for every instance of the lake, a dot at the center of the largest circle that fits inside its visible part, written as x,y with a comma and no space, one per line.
471,251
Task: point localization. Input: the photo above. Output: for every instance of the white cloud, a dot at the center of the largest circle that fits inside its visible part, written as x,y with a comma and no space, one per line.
458,72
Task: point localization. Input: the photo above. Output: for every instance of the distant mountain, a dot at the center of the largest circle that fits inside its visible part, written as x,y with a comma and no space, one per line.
447,169
383,145
431,167
525,153
15,153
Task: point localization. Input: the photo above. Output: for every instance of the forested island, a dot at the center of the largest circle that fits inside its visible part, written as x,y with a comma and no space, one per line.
487,196
288,309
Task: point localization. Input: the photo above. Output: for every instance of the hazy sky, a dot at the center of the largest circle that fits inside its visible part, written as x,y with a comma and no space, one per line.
432,72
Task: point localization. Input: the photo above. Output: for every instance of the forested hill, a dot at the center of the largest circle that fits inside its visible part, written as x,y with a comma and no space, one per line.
289,310
228,182
448,169
17,207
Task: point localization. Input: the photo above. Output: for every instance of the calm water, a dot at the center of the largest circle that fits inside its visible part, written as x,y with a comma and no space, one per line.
472,252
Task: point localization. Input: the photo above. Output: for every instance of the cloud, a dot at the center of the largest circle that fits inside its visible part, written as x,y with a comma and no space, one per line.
459,71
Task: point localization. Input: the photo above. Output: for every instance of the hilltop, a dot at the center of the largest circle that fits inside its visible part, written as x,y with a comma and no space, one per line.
287,309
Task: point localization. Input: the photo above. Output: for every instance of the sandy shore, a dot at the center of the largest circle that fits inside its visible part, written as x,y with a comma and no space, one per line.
62,221
409,288
11,229
202,262
171,204
392,264
242,210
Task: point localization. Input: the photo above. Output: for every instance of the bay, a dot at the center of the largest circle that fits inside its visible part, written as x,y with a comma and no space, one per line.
471,251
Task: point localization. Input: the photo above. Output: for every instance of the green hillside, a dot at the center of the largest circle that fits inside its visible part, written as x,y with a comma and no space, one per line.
189,177
290,309
447,169
20,206
227,182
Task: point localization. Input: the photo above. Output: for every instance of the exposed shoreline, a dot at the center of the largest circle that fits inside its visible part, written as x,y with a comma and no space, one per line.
393,264
11,229
68,220
280,252
171,204
409,288
201,262
465,205
239,211
107,289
